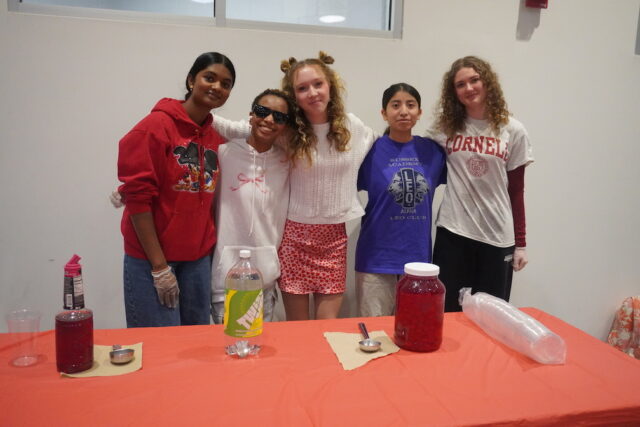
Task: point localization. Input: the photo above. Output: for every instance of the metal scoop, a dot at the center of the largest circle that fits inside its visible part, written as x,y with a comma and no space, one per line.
120,356
367,344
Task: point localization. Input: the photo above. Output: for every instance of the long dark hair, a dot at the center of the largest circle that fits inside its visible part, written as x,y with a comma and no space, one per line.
395,88
399,87
205,60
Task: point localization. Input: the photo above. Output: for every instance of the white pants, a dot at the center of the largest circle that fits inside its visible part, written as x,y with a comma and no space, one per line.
376,294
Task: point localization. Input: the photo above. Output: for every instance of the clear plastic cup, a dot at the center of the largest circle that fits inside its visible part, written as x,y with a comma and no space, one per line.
23,326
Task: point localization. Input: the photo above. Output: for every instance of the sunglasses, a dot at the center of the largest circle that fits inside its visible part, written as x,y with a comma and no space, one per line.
264,112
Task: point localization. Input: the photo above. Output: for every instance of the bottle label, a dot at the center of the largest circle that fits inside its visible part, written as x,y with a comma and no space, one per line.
73,293
67,302
78,292
243,313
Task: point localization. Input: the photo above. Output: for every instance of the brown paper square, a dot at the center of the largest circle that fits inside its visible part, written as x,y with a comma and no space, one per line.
346,348
102,366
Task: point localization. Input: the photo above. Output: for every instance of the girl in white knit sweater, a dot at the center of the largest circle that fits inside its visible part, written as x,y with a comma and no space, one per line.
326,153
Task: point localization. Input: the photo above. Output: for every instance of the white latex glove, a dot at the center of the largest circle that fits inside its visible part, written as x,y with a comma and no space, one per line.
166,286
116,199
519,259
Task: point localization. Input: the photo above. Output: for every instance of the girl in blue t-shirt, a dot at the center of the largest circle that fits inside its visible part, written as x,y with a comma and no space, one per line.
400,175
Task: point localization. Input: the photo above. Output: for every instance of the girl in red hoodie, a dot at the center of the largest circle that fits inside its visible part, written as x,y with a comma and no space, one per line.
168,165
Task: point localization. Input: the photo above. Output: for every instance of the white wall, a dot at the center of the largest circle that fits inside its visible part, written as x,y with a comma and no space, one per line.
71,87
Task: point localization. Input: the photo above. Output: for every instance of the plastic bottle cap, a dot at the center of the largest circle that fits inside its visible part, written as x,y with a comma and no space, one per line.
72,268
72,265
421,269
245,253
74,259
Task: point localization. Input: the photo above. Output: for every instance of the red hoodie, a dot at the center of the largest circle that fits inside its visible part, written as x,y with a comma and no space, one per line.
169,166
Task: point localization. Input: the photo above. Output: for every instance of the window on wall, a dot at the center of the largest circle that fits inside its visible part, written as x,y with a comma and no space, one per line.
360,14
377,18
203,8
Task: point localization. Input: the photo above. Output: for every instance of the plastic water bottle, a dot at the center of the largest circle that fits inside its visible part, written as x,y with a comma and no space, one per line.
243,308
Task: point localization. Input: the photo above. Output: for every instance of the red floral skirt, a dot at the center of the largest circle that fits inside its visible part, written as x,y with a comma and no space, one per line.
313,258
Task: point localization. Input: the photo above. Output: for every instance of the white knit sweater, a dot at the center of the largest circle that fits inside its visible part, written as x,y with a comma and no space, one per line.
324,192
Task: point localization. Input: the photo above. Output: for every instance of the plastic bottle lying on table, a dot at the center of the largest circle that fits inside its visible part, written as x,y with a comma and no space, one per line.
512,327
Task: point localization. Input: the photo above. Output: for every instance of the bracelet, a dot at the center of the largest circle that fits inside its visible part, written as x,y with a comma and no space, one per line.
158,274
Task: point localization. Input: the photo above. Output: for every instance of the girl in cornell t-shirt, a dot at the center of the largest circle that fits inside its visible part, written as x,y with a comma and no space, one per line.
480,239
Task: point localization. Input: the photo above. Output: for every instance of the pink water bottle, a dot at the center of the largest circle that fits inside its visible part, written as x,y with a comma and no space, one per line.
419,308
74,325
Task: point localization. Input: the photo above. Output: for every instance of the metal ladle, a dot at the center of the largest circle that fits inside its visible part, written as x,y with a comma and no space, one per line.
367,344
120,356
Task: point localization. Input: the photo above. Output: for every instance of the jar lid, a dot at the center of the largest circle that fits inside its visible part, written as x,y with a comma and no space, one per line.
421,269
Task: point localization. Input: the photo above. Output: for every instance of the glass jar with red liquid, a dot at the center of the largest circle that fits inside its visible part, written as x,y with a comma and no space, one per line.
419,308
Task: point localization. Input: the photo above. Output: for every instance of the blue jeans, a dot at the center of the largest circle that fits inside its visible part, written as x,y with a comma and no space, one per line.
141,303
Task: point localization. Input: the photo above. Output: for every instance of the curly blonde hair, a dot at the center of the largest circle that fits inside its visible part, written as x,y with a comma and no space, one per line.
301,144
452,114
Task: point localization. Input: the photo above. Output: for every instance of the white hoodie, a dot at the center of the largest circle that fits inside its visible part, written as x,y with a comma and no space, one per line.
253,198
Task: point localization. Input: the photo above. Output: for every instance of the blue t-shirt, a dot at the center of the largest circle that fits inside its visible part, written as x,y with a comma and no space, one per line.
400,179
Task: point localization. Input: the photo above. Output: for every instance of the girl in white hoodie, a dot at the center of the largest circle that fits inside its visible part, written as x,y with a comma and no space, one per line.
253,197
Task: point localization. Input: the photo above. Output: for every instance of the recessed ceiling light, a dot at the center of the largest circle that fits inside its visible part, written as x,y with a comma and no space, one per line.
331,19
202,1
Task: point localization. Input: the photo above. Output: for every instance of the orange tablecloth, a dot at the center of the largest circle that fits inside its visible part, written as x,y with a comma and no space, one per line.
297,381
